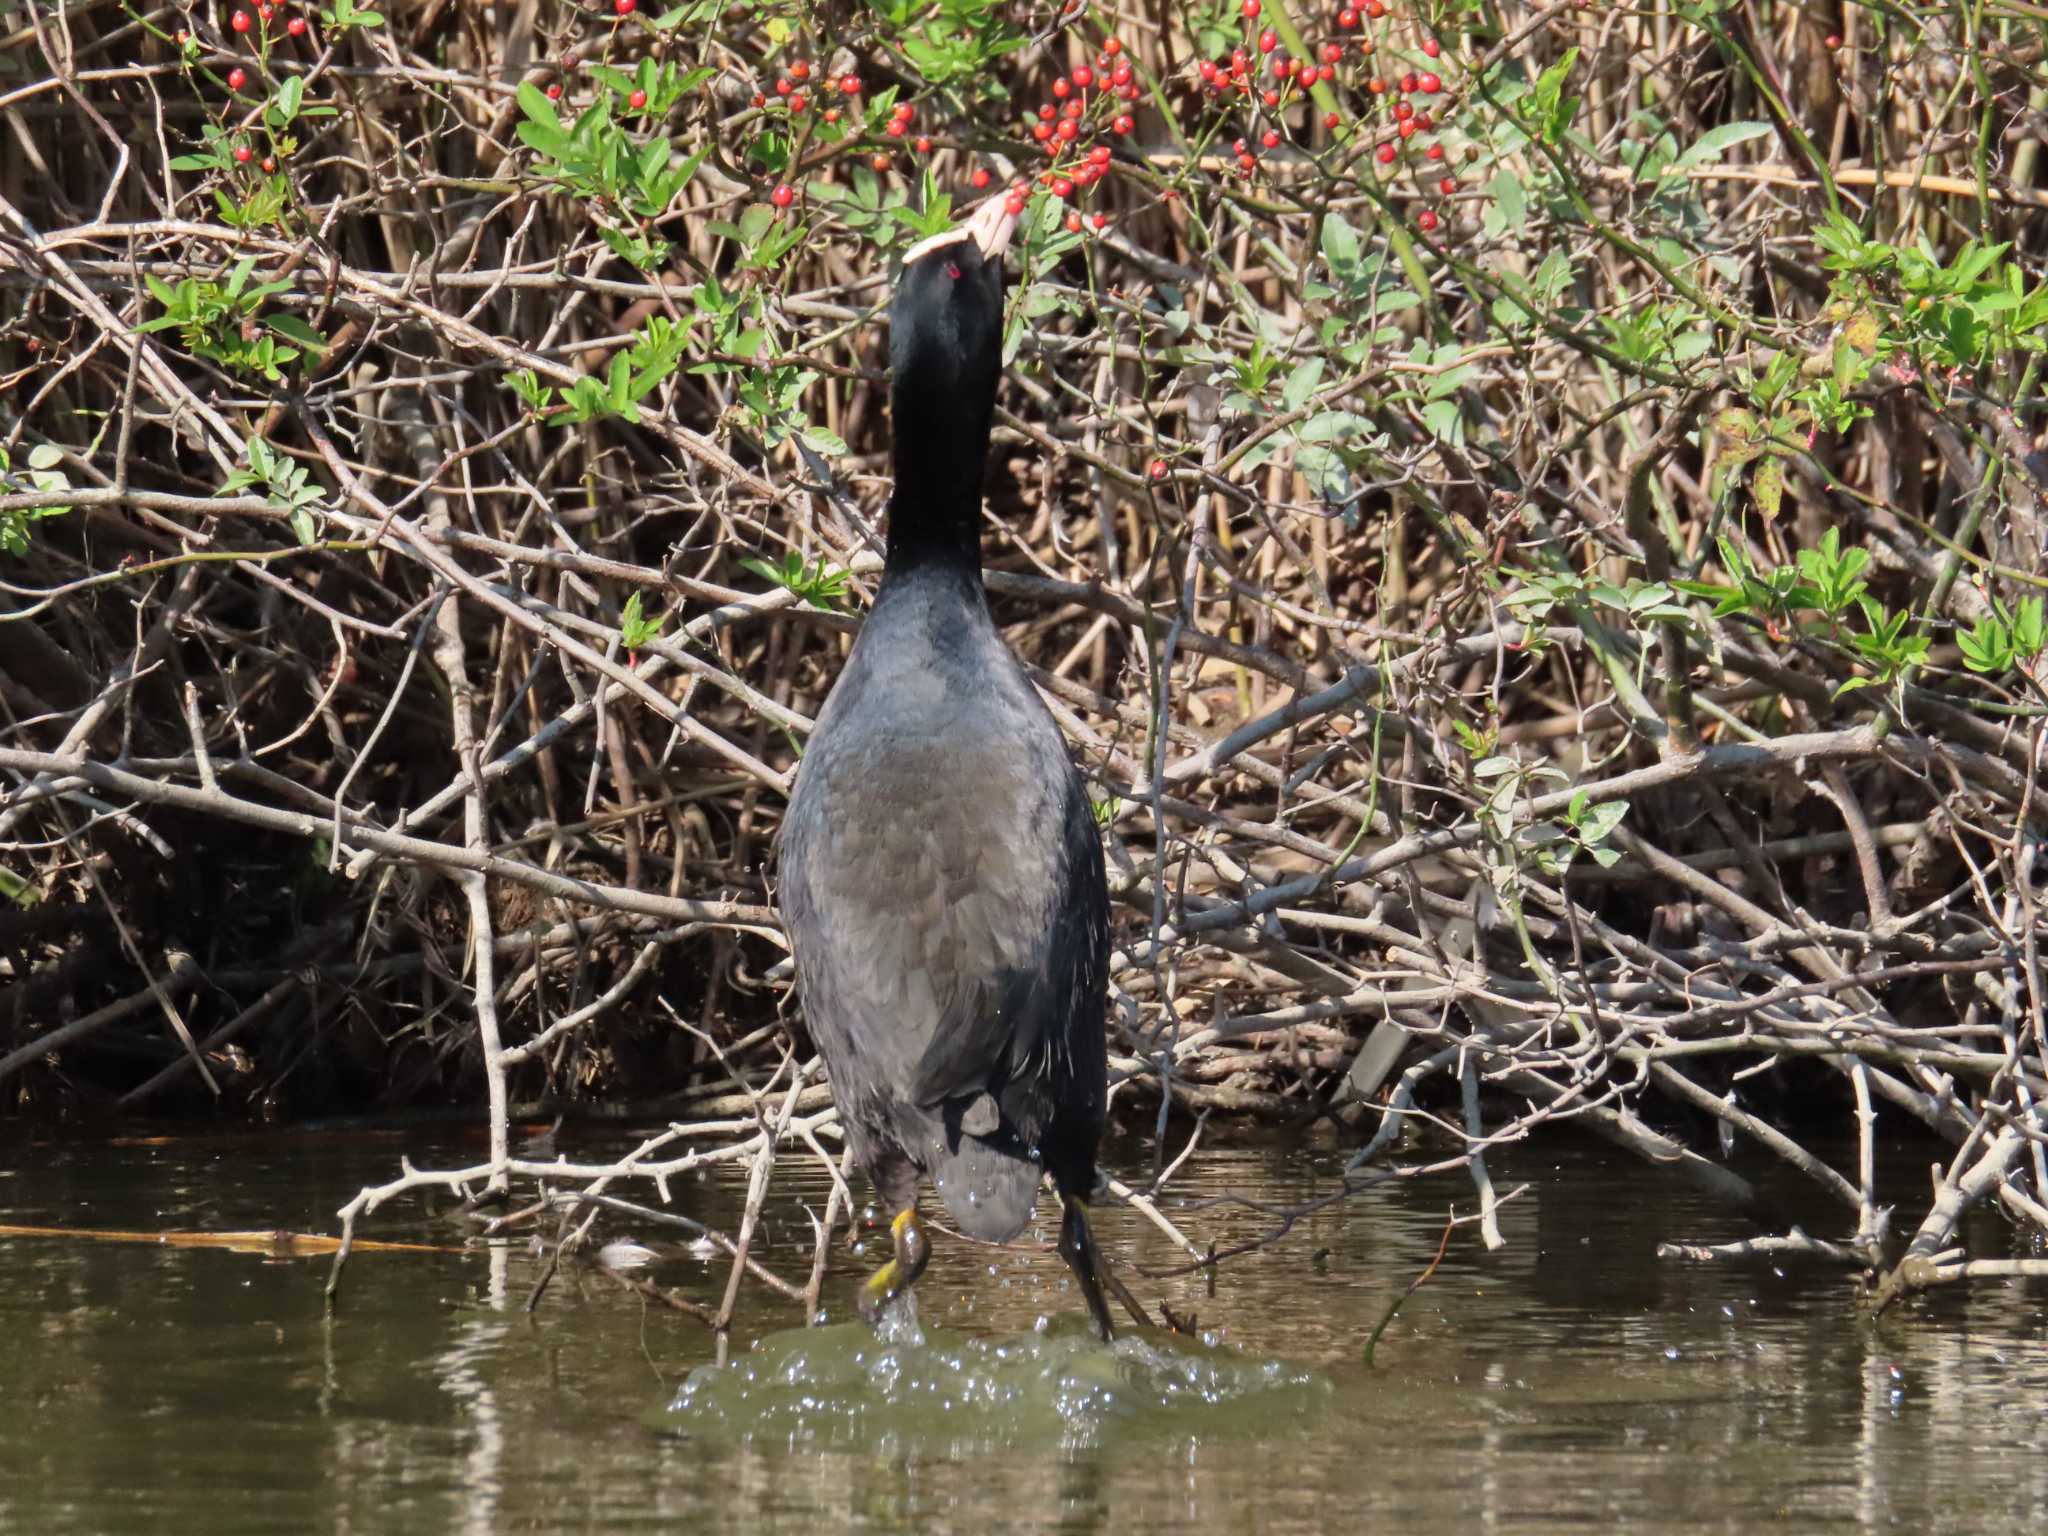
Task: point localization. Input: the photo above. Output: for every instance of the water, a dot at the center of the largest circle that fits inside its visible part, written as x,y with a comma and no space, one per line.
1569,1380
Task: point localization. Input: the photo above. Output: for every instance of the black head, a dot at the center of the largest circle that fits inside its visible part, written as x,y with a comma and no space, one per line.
945,354
946,323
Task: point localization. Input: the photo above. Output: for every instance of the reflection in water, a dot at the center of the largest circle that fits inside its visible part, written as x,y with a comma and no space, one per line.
1570,1380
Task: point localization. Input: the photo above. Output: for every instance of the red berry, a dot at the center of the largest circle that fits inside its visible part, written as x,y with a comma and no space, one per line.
296,26
244,154
1250,9
1272,138
1041,131
760,100
1834,41
980,178
1425,221
1100,154
831,114
1271,98
1406,129
1432,47
555,92
1375,9
1072,109
637,100
266,10
269,166
1157,469
1429,85
1207,70
1122,125
1408,81
1100,221
1435,152
923,146
880,162
1331,121
1448,185
1402,111
1120,76
784,86
237,78
800,70
904,112
1112,47
850,84
1047,111
1014,204
1268,40
1332,52
241,21
1068,131
1376,86
1347,19
625,7
1062,187
1084,77
783,195
798,101
1422,122
1247,164
1062,88
1385,153
1073,223
896,130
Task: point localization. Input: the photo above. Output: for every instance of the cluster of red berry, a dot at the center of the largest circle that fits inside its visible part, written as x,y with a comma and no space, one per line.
1093,98
1286,81
267,12
241,22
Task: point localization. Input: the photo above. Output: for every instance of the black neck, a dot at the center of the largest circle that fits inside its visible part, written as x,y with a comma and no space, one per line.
935,513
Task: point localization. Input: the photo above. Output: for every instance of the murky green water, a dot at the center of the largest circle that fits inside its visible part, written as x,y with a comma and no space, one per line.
1571,1380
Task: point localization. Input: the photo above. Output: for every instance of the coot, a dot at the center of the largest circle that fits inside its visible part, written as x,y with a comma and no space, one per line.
941,871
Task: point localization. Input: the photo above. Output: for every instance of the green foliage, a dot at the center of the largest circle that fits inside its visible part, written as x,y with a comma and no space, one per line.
632,375
597,160
817,584
345,14
635,628
2003,640
1887,646
955,42
224,323
290,488
40,476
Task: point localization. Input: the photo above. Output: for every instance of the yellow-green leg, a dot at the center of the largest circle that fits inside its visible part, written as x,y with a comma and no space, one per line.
900,1273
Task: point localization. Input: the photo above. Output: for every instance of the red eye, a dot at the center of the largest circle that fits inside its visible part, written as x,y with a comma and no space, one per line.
953,269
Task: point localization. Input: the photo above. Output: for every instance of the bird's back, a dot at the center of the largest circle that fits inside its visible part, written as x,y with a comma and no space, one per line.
942,879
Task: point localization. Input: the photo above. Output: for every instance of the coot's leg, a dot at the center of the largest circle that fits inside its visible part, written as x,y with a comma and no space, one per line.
1077,1247
900,1273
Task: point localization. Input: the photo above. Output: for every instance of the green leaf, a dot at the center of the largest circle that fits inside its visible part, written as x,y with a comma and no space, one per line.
1708,146
1767,485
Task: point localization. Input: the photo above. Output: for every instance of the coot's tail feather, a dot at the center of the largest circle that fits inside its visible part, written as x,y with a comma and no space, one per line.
990,1193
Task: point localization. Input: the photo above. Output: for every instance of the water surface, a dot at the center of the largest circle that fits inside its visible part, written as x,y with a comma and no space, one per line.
1571,1379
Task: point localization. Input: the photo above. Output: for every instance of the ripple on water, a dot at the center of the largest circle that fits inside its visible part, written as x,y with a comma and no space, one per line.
852,1387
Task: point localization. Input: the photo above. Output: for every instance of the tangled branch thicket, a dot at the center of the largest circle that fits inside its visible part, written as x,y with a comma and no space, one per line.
1534,533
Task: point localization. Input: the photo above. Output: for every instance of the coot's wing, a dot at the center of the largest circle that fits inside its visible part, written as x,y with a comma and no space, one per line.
951,933
1030,1033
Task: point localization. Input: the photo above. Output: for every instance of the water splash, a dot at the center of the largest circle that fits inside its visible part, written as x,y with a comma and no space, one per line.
899,1390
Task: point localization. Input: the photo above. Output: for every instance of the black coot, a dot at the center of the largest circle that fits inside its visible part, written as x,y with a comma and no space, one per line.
941,871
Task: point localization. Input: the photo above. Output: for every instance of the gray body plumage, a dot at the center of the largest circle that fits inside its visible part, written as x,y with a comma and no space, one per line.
942,881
